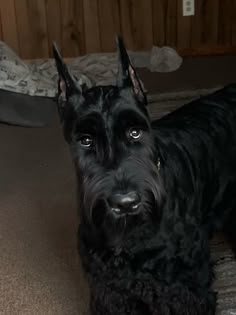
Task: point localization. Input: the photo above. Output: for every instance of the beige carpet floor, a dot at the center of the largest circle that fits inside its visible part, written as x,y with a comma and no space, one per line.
39,265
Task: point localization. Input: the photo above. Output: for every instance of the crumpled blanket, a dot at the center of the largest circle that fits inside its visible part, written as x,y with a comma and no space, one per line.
39,77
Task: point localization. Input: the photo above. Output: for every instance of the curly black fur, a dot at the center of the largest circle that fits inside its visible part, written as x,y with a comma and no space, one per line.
154,261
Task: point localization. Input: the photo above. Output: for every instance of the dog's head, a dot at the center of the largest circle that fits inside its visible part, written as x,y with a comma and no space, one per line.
110,136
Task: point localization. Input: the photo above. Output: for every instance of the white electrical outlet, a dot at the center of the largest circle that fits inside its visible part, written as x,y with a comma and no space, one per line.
188,7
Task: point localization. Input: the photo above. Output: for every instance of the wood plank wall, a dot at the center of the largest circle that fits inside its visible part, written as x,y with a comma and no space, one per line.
85,26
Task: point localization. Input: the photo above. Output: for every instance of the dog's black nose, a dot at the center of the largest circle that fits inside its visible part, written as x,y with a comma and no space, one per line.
122,203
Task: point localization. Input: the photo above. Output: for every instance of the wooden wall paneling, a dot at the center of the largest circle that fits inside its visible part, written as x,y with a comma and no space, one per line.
136,27
136,24
85,26
72,17
80,31
184,26
164,16
233,24
142,24
171,24
8,24
54,23
126,19
38,28
1,36
24,29
109,23
32,28
211,22
91,26
159,11
197,27
205,23
116,16
225,22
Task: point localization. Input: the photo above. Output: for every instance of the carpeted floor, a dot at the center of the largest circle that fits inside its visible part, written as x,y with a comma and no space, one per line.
39,267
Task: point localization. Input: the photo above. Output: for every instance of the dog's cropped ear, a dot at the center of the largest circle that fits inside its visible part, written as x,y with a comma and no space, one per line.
66,83
127,76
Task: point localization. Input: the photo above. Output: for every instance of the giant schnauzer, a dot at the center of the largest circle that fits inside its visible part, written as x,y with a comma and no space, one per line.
151,194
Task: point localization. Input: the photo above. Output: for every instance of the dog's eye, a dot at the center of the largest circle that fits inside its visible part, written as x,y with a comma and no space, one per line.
135,133
86,141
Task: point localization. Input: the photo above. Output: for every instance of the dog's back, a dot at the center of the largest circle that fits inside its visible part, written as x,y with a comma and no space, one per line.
197,144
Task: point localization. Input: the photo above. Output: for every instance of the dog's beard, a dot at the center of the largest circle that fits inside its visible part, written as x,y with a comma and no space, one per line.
96,189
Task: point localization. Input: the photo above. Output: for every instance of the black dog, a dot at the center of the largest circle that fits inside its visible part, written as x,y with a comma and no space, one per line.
151,194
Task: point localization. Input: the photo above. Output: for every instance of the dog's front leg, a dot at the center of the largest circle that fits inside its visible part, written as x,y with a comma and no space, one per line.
172,273
183,278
